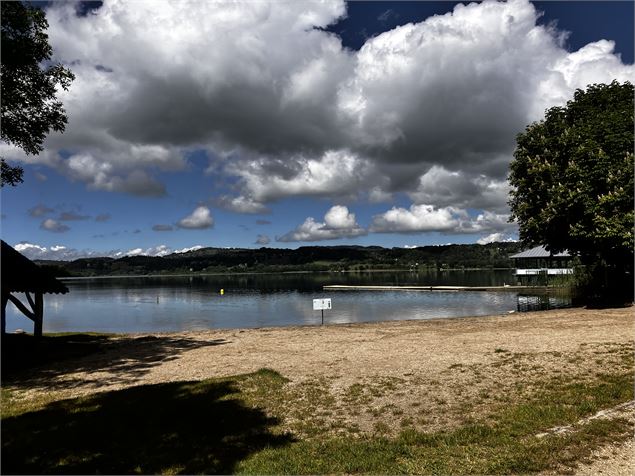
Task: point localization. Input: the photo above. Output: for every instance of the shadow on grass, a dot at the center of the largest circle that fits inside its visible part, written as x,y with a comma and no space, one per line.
184,427
33,362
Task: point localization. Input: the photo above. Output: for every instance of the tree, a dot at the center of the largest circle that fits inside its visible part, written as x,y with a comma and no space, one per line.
572,183
30,109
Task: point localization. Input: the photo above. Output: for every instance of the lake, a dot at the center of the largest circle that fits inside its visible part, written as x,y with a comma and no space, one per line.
181,303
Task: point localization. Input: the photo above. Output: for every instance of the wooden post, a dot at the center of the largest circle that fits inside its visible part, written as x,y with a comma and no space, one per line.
38,312
30,300
5,299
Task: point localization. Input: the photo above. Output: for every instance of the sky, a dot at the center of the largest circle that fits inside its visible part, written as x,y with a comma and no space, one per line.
287,124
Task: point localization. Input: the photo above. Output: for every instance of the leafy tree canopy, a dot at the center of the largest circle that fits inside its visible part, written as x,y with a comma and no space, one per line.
30,109
572,177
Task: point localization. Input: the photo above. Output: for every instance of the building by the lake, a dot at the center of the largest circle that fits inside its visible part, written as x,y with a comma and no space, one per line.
537,265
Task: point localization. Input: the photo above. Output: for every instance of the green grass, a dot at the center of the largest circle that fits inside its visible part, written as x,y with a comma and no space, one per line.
237,425
505,445
476,449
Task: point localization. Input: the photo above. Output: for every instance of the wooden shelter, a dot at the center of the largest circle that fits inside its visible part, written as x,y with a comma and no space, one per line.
21,275
537,265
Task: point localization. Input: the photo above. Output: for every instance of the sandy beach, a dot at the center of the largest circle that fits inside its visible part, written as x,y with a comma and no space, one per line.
432,374
348,352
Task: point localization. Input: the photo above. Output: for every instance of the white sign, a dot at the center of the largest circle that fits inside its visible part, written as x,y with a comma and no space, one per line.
319,304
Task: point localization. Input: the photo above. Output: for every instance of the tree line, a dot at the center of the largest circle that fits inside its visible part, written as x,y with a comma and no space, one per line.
306,258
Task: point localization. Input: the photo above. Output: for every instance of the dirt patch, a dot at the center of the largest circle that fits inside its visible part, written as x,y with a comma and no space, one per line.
612,460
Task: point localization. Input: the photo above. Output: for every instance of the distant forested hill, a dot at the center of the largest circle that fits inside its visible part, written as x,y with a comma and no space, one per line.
306,258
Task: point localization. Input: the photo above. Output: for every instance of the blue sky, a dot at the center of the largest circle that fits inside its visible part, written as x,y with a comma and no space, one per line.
298,123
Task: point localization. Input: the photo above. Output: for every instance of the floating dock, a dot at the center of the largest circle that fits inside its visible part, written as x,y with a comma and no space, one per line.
345,287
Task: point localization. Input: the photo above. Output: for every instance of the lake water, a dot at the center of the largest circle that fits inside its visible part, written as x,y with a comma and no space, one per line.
158,304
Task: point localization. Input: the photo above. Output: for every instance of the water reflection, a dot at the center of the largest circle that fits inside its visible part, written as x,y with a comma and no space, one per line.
528,302
193,302
305,282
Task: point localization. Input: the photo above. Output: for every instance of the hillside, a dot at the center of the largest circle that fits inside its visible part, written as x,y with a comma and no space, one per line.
307,258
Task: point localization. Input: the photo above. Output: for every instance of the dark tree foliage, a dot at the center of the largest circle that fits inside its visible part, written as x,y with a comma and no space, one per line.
10,175
305,258
572,182
28,83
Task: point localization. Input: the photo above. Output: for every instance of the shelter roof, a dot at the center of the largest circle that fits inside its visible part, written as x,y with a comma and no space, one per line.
20,274
540,252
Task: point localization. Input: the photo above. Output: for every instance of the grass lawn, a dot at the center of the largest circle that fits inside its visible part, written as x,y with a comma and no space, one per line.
259,423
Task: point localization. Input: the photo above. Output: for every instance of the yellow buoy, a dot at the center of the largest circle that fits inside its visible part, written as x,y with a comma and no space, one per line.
222,291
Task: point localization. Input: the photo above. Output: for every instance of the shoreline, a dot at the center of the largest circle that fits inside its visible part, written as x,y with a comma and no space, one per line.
506,287
548,330
490,322
324,271
298,327
407,350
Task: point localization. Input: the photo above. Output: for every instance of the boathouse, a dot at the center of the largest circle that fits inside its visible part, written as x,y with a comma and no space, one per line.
537,265
21,275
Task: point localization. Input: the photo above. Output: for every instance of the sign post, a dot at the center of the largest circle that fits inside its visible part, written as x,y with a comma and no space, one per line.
320,305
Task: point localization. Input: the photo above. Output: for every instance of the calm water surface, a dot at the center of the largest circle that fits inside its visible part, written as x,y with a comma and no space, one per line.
155,304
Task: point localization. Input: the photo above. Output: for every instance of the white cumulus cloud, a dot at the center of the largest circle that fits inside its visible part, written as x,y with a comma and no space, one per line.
338,223
199,219
417,218
338,217
426,218
331,174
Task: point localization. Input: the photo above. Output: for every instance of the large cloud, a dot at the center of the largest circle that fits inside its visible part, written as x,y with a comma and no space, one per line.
418,218
154,80
425,218
460,189
429,109
333,174
338,223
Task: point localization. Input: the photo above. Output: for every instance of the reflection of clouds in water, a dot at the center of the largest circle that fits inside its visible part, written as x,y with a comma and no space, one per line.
341,313
302,306
54,303
352,306
370,306
126,306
